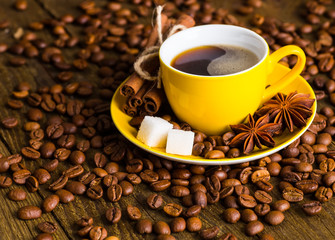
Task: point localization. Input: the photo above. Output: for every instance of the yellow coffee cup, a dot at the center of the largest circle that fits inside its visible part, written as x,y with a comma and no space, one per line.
211,103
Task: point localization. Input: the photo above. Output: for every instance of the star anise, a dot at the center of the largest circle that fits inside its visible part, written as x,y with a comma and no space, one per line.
290,110
253,133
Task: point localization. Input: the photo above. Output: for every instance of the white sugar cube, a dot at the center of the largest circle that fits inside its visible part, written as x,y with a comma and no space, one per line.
153,131
180,142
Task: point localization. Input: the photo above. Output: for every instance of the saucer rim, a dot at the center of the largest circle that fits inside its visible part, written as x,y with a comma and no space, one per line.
260,153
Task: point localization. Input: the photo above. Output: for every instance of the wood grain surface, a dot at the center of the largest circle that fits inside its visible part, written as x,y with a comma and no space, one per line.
296,225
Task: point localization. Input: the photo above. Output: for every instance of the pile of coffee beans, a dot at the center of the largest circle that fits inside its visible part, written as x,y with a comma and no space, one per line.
75,151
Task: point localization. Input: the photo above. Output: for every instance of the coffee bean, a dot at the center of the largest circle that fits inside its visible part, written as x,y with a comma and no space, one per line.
307,186
54,131
133,212
154,201
32,184
253,228
47,227
173,209
247,201
84,231
179,191
65,196
209,233
113,214
77,157
281,205
193,224
263,196
21,176
98,233
5,182
231,215
127,188
29,212
160,185
76,187
292,194
323,194
51,165
17,194
47,149
312,208
50,203
161,227
30,153
248,215
9,122
44,236
114,193
74,171
4,165
274,217
59,183
144,226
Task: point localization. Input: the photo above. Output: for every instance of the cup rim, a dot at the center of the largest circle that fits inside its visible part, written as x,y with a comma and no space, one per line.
257,36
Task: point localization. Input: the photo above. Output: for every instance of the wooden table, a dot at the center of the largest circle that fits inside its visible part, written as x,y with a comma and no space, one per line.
296,225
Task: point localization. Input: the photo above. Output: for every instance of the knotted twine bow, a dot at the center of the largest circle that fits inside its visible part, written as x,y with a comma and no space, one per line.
153,51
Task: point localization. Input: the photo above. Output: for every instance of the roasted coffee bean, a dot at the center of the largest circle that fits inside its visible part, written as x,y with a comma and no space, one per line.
114,193
173,209
113,214
312,208
149,176
192,211
29,212
144,226
127,188
154,201
50,203
178,224
32,184
66,141
51,165
74,171
247,201
4,165
179,191
5,182
292,194
193,224
21,176
231,215
85,221
262,209
44,236
100,160
253,228
12,159
84,231
47,227
62,154
323,194
134,179
9,122
65,196
307,185
262,196
274,217
281,205
133,212
241,189
17,194
95,192
30,153
160,185
209,233
248,215
98,233
264,185
47,149
59,183
273,168
161,227
77,157
76,187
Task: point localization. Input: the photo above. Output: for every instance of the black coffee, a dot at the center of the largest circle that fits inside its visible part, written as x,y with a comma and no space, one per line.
214,60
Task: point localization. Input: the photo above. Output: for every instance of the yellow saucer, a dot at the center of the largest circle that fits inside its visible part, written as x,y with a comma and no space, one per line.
121,121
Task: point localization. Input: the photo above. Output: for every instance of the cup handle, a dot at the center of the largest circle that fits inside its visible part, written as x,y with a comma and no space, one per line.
281,83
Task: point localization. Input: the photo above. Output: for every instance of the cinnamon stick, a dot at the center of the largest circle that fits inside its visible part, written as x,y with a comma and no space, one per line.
137,99
132,86
130,111
153,100
152,40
